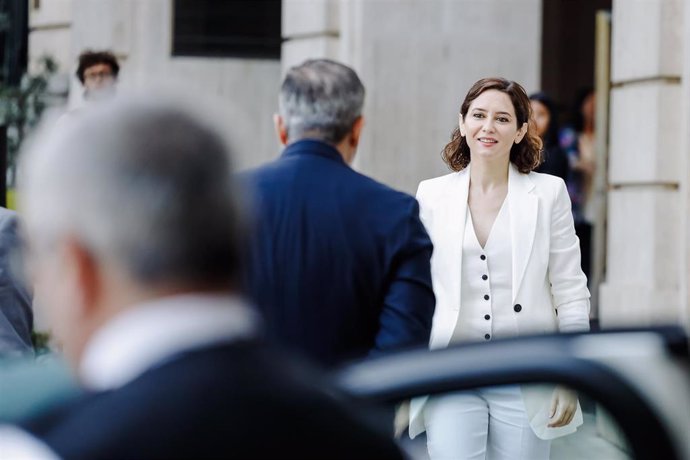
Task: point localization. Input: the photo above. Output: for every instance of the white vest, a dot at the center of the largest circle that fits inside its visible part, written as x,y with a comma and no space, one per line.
486,311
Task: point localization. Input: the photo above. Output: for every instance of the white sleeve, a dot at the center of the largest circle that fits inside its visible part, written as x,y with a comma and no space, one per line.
574,316
568,282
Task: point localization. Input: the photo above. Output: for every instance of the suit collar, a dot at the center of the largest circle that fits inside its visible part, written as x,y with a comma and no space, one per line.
523,205
455,215
518,181
313,147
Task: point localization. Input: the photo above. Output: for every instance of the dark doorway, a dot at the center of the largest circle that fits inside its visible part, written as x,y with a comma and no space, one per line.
567,60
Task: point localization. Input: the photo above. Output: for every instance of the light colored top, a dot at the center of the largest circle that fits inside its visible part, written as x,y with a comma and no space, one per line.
481,318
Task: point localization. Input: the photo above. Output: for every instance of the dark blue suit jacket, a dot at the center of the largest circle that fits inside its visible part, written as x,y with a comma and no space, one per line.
239,400
339,263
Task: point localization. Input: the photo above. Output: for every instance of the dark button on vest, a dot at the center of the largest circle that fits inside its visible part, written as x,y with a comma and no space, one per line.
517,308
487,336
487,317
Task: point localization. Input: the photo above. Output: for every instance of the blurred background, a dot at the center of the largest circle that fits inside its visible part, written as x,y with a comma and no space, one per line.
417,58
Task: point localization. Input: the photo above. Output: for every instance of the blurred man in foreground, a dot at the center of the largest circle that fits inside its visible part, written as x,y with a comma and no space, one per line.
340,263
134,230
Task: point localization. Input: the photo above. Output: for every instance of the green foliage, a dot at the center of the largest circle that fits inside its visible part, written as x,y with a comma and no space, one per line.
21,108
41,341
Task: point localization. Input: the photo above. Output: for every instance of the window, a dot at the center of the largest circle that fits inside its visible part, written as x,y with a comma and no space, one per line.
227,28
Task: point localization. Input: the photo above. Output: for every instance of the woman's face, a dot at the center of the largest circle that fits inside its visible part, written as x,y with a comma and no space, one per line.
542,117
490,126
587,108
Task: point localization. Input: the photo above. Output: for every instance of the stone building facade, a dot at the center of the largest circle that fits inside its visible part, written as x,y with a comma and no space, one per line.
417,58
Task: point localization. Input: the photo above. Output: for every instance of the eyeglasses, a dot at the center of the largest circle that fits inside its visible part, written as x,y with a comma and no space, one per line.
102,75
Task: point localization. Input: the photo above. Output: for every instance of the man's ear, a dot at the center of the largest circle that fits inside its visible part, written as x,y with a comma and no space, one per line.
85,275
281,129
356,131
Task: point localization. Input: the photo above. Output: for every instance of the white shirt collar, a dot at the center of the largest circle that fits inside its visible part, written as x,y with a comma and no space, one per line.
149,333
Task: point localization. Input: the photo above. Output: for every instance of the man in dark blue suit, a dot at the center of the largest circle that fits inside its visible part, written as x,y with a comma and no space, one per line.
339,262
134,230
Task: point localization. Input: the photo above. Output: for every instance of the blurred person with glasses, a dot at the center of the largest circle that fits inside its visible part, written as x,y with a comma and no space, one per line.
97,71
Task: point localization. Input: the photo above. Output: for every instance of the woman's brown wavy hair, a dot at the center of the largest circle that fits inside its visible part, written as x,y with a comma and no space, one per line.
526,155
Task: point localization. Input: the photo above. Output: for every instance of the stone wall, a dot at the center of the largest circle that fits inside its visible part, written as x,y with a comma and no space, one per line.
417,60
647,218
243,93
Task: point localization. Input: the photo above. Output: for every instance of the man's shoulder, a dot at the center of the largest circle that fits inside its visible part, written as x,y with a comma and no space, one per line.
376,188
239,397
196,374
350,185
249,368
272,167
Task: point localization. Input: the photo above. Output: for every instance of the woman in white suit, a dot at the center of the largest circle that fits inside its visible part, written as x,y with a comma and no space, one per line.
506,262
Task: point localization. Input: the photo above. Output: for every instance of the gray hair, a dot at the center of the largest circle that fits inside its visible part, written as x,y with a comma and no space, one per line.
140,183
321,99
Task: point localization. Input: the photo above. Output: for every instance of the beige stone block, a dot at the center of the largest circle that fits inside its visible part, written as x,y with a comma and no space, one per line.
103,24
298,50
239,95
643,237
309,17
646,133
151,34
50,13
417,60
647,39
637,305
55,43
242,94
686,164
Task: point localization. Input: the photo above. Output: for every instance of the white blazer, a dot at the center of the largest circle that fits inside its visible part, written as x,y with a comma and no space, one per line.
547,279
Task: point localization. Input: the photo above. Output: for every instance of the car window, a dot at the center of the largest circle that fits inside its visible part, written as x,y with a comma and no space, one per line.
632,387
506,419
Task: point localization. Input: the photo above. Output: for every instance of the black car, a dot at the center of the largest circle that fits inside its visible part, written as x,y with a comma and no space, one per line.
634,386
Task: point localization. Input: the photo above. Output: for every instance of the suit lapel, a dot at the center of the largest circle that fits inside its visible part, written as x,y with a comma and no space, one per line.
523,222
456,216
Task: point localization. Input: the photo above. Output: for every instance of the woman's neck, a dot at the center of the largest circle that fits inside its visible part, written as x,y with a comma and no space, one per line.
487,176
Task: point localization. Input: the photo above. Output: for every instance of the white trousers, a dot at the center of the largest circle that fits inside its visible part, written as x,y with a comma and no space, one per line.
485,424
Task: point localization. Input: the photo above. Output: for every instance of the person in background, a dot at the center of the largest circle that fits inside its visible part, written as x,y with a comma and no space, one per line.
506,263
546,123
16,314
97,71
339,265
145,303
577,141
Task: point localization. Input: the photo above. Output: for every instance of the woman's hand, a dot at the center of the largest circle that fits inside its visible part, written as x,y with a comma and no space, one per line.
563,407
